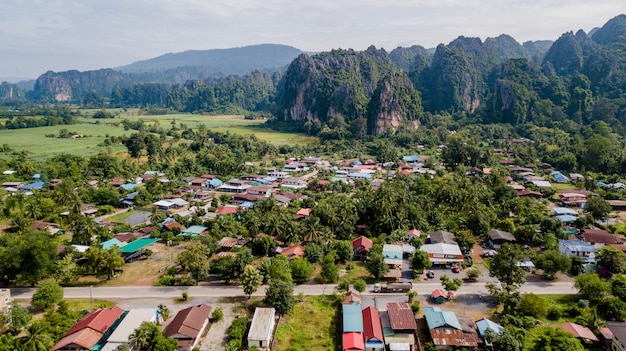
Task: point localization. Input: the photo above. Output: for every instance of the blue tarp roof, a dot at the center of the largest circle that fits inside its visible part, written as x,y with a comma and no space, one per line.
560,177
35,185
264,181
247,204
411,158
567,218
352,318
129,186
215,182
560,211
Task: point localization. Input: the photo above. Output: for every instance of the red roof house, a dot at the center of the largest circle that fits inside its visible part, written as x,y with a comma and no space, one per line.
580,331
362,244
228,209
293,252
372,328
188,326
89,330
353,341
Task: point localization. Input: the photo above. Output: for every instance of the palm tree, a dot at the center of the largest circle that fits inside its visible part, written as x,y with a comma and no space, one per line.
156,216
142,336
35,339
164,312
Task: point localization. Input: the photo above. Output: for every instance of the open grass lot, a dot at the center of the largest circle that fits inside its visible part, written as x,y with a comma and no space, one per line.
310,326
40,147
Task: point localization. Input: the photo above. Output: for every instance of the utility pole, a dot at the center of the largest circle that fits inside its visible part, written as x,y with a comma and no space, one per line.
90,298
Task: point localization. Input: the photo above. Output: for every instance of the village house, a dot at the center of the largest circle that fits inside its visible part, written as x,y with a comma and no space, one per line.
497,238
572,248
399,326
262,327
447,331
130,321
294,183
234,186
188,326
89,330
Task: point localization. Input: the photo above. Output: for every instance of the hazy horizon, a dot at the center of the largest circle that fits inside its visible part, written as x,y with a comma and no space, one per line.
38,36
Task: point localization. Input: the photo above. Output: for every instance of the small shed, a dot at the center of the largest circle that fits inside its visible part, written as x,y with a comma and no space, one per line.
439,296
262,327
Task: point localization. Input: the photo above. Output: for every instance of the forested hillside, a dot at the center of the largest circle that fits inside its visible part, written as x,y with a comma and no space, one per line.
574,81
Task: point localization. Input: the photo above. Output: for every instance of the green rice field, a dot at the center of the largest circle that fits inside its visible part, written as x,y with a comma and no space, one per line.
40,147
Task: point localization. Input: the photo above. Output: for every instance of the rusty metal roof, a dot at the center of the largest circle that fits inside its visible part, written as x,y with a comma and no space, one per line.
401,316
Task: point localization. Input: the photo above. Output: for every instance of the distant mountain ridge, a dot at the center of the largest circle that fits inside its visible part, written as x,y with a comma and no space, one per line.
234,61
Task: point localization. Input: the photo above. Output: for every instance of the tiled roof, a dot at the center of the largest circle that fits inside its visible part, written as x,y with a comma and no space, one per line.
85,338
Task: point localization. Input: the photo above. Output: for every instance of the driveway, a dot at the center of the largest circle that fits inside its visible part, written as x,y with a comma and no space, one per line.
215,339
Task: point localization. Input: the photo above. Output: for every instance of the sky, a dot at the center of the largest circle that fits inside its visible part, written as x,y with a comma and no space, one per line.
59,35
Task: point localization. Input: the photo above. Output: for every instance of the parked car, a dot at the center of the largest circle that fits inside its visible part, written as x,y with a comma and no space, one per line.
430,274
455,269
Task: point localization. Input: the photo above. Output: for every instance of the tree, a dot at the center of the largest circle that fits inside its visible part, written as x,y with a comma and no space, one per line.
618,287
504,266
613,259
549,338
164,312
376,265
612,308
223,266
420,260
279,295
330,270
591,287
360,285
473,273
48,294
18,317
450,284
505,341
243,259
301,270
35,339
465,239
534,305
314,252
195,259
66,270
343,249
250,280
598,207
552,261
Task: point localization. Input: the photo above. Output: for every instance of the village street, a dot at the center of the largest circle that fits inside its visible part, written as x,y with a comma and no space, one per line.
219,290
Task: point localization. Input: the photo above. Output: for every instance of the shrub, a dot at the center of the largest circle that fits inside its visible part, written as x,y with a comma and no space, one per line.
48,294
415,306
217,315
554,313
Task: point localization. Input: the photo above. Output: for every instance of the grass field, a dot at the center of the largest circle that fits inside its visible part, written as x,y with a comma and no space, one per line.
311,326
40,147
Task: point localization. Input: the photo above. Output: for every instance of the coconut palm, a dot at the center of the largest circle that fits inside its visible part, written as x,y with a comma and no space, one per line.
35,338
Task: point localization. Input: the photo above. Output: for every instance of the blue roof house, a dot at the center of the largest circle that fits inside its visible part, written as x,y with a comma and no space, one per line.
352,318
436,318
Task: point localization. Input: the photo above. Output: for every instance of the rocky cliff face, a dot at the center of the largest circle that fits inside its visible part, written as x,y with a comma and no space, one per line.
74,85
395,105
346,84
10,91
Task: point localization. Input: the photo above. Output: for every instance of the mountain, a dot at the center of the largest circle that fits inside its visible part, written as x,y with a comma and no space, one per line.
350,89
235,61
10,91
167,69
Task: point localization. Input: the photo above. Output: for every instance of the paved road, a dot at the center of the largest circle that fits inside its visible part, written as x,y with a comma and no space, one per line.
217,290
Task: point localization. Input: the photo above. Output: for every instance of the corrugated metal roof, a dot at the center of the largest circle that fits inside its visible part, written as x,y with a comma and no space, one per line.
100,320
352,318
353,341
436,318
131,321
262,324
372,329
485,324
401,316
188,321
138,245
85,338
454,337
580,331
